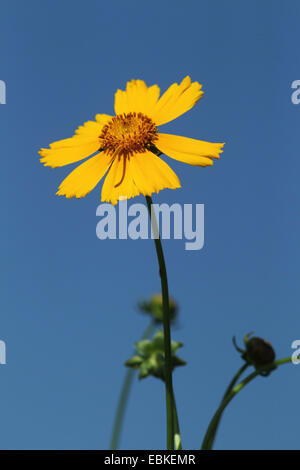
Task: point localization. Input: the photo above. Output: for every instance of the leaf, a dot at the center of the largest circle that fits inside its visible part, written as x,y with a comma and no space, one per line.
134,361
144,347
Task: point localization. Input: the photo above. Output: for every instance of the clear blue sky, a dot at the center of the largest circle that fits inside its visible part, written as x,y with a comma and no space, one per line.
68,300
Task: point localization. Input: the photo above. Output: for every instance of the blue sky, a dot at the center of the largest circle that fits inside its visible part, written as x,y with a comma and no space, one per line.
68,300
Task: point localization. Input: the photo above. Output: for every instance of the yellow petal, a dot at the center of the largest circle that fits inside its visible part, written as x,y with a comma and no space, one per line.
191,151
137,98
63,156
151,174
177,100
85,177
145,173
84,143
118,184
92,129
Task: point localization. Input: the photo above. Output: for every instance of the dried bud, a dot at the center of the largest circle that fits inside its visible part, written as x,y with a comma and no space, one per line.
259,352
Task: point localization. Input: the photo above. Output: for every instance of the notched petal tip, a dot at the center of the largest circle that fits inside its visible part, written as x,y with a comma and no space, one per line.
44,160
64,193
219,150
43,152
136,82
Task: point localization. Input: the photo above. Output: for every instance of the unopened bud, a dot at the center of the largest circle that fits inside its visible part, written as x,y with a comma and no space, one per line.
155,307
259,352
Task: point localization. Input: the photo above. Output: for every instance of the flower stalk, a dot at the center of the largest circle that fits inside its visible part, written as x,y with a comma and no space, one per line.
214,428
229,395
124,395
177,435
166,328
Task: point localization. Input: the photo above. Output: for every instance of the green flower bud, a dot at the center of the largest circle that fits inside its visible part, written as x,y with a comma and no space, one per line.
150,357
155,307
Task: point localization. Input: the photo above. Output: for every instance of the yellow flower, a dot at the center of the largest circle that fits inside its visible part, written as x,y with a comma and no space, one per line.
129,144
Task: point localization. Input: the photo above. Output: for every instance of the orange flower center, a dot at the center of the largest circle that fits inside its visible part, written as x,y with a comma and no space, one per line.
127,134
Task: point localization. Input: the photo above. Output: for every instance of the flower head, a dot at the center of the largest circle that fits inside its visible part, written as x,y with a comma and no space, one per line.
127,146
154,307
150,357
258,352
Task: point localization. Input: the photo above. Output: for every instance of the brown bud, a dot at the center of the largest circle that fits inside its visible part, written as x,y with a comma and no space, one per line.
259,352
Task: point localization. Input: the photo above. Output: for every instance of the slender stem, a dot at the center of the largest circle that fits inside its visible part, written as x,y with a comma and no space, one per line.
235,379
177,436
212,436
166,325
123,399
115,438
207,441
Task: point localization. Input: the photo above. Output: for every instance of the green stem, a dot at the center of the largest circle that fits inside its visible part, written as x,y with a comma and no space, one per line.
166,325
177,436
208,441
123,399
212,436
235,379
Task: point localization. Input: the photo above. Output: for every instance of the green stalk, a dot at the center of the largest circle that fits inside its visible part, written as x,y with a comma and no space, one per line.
177,436
235,379
123,399
211,430
228,390
166,327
